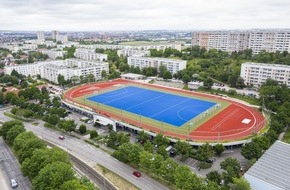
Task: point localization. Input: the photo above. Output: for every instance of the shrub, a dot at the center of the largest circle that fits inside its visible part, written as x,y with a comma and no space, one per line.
204,165
93,134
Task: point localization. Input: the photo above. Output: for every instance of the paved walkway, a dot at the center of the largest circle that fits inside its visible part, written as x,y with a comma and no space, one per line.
4,184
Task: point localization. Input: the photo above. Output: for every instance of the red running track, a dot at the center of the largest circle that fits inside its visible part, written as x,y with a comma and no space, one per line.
225,126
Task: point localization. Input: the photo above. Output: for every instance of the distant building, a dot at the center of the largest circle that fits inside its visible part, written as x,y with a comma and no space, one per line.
61,38
68,68
238,40
132,76
54,33
133,52
172,65
40,36
88,54
53,54
257,73
127,47
271,171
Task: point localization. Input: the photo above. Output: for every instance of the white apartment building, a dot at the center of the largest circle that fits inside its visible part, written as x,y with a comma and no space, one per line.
54,33
133,52
61,38
257,40
89,54
257,73
68,68
172,65
121,47
53,54
40,36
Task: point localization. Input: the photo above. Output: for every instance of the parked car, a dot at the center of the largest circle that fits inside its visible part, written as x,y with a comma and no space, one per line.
61,137
136,173
13,183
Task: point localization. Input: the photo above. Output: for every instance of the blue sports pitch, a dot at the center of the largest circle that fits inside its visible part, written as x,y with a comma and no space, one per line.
168,108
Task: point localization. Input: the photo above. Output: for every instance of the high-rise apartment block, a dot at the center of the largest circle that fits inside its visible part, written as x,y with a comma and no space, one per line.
257,73
40,36
172,65
54,33
237,40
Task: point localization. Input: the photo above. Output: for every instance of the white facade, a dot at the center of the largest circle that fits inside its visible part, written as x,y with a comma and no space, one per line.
257,73
88,54
53,54
133,52
68,68
61,38
172,65
40,36
257,40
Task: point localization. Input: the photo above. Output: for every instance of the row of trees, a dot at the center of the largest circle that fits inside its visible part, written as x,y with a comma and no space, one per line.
47,168
181,176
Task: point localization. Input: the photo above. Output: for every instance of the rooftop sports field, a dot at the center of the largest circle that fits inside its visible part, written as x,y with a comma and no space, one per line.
168,108
177,113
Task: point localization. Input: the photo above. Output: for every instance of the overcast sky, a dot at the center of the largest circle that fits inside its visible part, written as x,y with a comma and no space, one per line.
94,15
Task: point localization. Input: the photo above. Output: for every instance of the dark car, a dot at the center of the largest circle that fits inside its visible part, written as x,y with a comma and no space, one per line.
61,137
172,153
136,173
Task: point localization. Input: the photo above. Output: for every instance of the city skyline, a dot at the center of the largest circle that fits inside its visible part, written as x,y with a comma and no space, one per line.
89,15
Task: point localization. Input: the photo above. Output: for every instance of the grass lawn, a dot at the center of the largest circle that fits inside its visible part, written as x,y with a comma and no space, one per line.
116,180
286,137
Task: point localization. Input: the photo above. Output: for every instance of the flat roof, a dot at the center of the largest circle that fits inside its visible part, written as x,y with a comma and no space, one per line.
273,167
132,75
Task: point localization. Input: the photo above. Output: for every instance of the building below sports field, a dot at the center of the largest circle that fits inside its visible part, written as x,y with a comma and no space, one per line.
272,170
257,73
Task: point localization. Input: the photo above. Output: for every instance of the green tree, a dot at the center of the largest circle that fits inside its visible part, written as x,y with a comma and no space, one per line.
162,70
183,148
8,125
148,146
143,137
13,133
104,74
232,168
156,163
186,78
214,176
93,134
128,153
205,152
67,125
83,129
52,176
160,140
240,184
167,169
146,159
162,151
41,158
219,149
167,75
207,83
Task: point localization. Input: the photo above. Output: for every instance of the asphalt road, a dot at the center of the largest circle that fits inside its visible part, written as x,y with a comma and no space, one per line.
11,169
91,155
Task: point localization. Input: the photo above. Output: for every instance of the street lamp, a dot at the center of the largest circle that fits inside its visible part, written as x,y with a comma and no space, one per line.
189,126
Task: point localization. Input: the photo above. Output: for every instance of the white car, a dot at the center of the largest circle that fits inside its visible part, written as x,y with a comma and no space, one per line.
14,183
